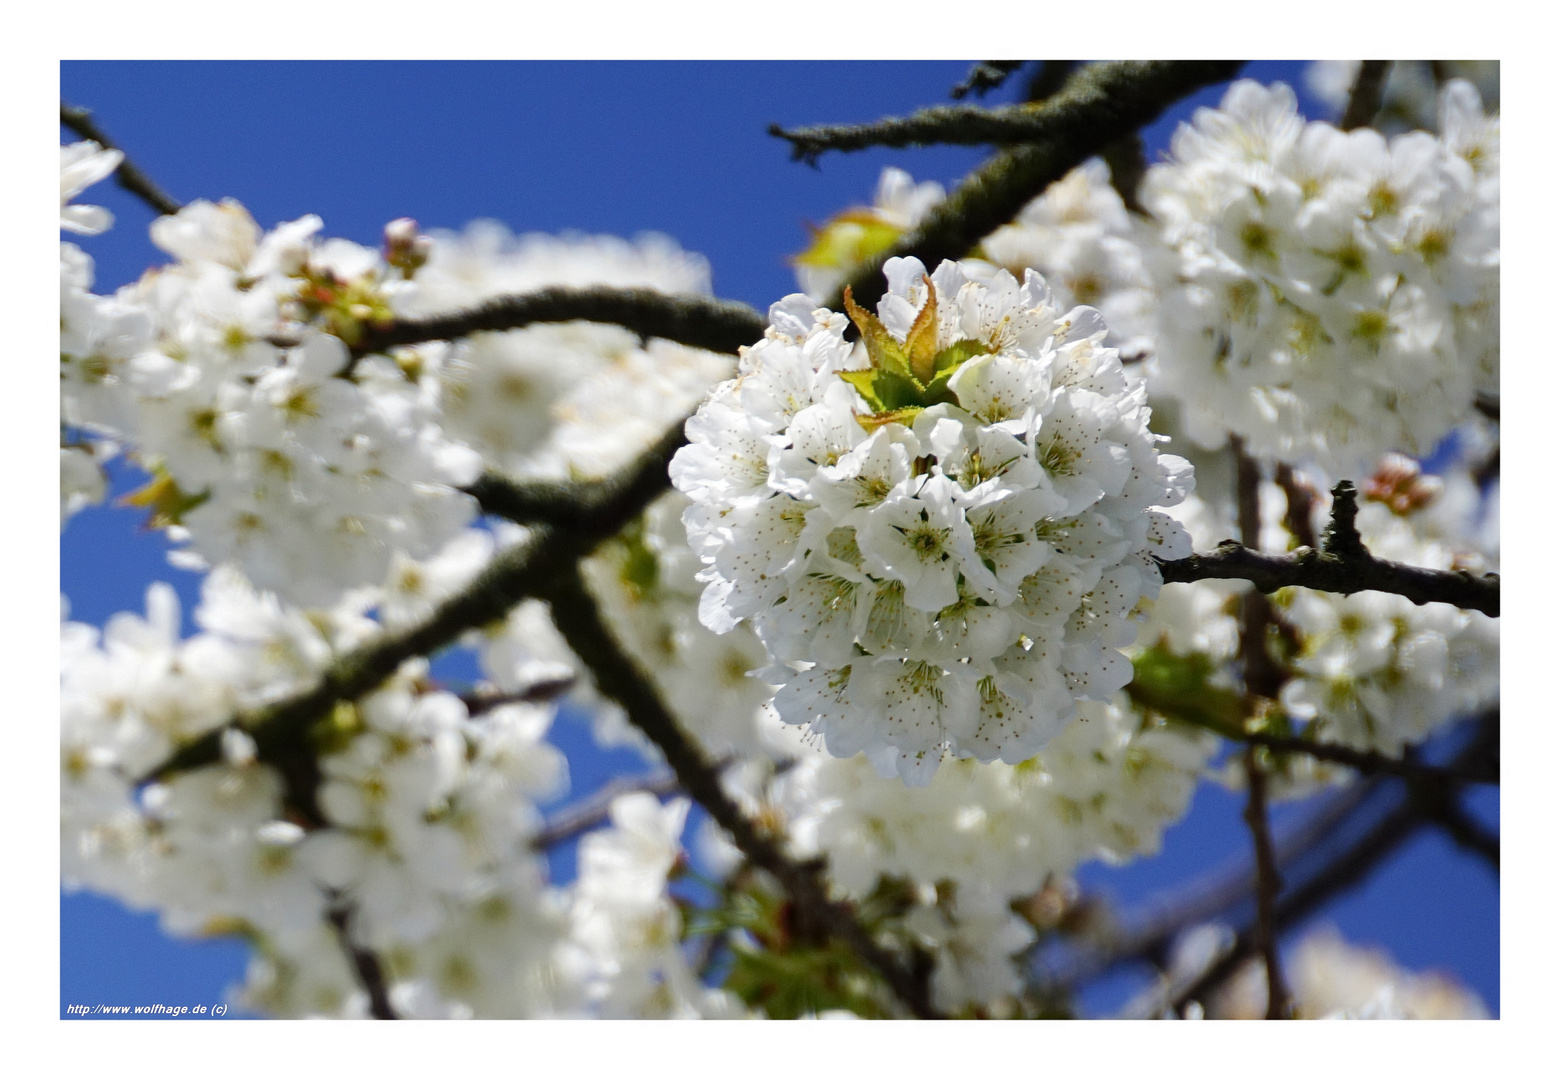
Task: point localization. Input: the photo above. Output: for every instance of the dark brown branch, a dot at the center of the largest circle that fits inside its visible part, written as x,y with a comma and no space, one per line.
370,973
619,678
587,814
1365,95
576,504
1350,866
700,321
1299,499
984,77
1264,678
1265,935
127,176
1372,763
543,690
1099,105
1342,566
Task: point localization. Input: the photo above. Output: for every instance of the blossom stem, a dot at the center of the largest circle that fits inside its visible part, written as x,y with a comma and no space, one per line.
127,175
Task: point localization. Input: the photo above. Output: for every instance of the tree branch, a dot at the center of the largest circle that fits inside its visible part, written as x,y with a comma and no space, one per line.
585,815
1371,763
1265,935
370,973
699,321
1346,869
127,176
619,678
1099,105
986,76
576,504
1365,96
280,730
1342,566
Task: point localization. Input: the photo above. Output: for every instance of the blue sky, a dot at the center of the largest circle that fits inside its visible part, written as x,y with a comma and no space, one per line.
605,147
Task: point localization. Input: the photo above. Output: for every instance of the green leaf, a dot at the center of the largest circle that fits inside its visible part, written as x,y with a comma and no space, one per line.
885,353
873,421
952,358
1178,687
921,341
865,384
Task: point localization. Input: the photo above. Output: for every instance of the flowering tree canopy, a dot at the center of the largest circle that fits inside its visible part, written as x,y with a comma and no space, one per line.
1045,501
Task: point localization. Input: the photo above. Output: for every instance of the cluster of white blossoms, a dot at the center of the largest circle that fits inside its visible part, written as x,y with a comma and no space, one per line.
1408,99
940,533
897,598
1079,236
981,837
1327,295
566,401
230,375
1333,980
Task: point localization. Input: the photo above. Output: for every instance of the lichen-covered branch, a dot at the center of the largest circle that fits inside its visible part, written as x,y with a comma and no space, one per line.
1099,105
127,176
576,504
1342,566
619,678
699,321
984,77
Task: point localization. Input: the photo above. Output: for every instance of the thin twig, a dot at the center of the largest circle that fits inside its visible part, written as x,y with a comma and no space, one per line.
365,964
619,678
1372,763
127,176
1268,885
1365,95
700,321
590,812
1347,868
1099,105
984,77
542,690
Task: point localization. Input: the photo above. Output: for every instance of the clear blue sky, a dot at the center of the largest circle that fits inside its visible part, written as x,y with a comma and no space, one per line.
618,148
